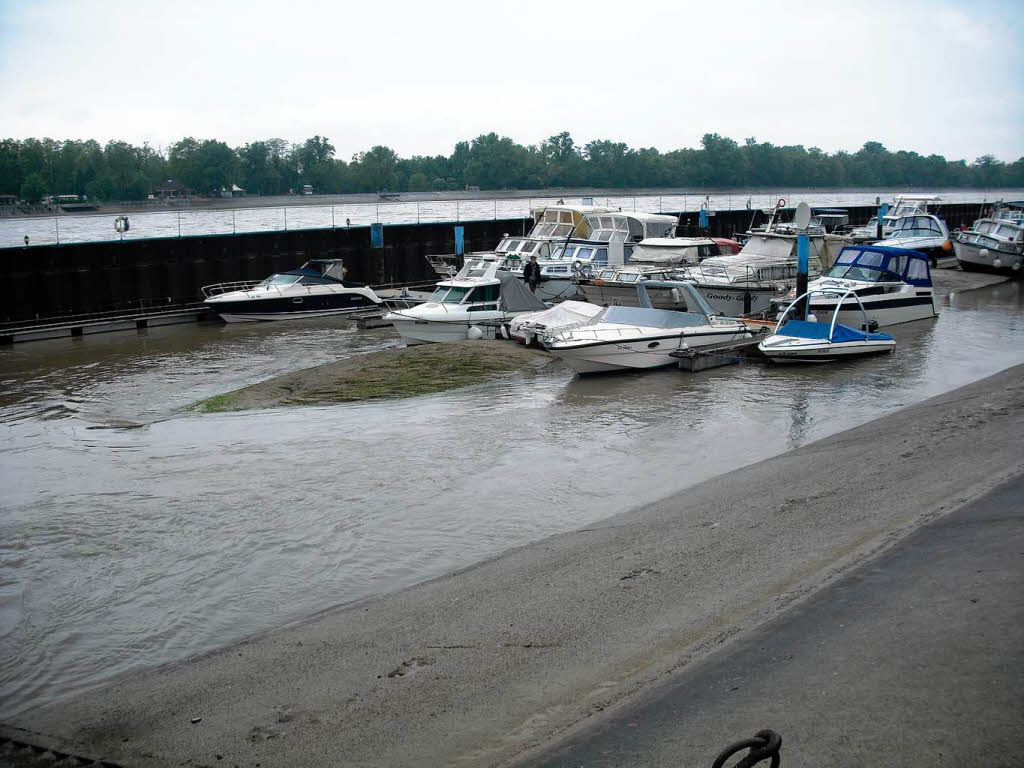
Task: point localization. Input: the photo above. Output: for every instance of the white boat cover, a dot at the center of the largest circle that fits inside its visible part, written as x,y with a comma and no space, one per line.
568,314
515,296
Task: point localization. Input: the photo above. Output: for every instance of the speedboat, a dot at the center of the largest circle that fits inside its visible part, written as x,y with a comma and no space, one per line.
611,240
629,338
807,341
477,294
994,244
315,289
569,314
892,285
924,233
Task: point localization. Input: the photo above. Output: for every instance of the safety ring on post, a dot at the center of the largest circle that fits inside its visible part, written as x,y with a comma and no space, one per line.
781,203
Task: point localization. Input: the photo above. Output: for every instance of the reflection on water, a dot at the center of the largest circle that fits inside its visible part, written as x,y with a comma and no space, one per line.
133,532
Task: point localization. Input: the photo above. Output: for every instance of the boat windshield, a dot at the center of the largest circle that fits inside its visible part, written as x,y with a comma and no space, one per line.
281,280
867,274
917,226
445,294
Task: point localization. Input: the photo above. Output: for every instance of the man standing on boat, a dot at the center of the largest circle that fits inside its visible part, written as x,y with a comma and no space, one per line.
531,273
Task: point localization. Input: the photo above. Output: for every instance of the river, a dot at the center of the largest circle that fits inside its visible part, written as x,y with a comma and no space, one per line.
134,532
79,228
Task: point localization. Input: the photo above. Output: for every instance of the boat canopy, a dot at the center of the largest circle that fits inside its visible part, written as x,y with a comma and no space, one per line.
918,226
554,221
632,227
673,250
804,329
650,318
878,263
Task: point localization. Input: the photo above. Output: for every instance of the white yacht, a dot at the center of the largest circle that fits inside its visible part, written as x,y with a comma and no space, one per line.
924,233
748,281
994,244
624,338
616,286
903,205
315,289
477,293
892,285
612,238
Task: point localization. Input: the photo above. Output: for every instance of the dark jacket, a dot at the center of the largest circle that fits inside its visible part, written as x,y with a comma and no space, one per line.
531,272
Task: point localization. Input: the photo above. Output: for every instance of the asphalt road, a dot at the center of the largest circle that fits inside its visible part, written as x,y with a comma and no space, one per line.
915,659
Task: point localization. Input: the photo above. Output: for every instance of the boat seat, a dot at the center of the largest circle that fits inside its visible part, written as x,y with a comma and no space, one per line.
804,329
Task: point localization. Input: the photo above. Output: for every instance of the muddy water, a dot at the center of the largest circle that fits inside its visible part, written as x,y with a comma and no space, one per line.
134,532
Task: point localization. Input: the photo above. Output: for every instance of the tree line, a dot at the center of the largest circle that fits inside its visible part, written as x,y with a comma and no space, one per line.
33,168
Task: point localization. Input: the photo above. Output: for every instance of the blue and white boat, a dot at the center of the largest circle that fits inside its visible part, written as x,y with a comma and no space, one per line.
315,289
807,341
893,285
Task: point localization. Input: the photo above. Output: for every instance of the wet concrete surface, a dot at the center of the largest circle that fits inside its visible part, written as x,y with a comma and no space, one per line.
914,659
482,665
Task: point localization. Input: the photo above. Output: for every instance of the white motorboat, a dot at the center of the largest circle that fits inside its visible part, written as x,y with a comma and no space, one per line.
476,294
892,285
903,205
924,233
612,238
747,282
995,243
807,341
625,338
315,289
616,286
568,314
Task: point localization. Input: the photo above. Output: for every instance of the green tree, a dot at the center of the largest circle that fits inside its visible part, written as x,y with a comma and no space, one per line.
34,188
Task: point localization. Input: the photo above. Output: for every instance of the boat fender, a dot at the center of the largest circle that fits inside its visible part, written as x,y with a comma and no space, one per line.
474,333
947,246
997,263
676,296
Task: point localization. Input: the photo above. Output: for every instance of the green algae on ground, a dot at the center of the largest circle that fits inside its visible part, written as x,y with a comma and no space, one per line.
389,373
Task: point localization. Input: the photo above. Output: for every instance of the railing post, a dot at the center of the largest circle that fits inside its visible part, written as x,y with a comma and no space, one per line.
456,210
56,224
233,230
332,217
179,224
286,218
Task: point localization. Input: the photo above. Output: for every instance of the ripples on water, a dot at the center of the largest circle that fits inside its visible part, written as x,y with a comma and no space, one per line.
192,223
133,532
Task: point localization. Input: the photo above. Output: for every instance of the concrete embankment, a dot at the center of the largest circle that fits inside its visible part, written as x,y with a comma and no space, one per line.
482,665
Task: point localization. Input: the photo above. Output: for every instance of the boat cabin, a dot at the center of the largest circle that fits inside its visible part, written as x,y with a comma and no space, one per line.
553,222
660,251
313,272
881,264
620,227
919,225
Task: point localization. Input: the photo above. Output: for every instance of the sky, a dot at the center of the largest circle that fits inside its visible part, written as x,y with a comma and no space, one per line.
936,77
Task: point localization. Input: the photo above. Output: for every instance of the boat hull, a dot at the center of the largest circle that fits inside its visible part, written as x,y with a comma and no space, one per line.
976,258
239,310
735,300
889,309
638,354
789,349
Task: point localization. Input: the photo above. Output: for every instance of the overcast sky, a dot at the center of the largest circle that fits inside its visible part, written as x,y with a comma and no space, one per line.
942,77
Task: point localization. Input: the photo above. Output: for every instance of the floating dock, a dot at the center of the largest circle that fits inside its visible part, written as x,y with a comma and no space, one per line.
88,325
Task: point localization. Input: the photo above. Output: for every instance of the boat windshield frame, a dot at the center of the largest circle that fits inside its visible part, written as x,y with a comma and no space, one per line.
280,279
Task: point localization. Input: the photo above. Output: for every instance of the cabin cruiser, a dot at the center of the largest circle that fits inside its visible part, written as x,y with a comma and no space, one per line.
569,314
892,285
748,281
551,223
477,293
994,244
612,238
624,338
904,205
924,233
807,341
616,286
315,289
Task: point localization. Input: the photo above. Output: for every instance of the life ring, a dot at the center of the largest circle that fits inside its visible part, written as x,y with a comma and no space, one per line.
781,203
577,265
598,281
121,224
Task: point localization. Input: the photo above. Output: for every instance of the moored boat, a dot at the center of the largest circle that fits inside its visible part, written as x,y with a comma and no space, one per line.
807,341
630,338
477,294
995,243
892,285
315,289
